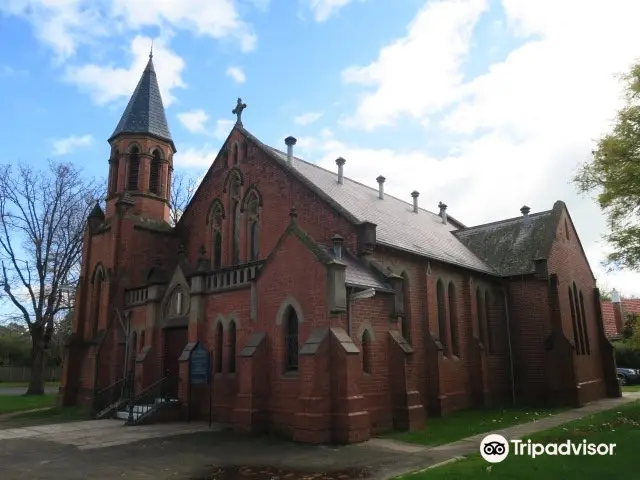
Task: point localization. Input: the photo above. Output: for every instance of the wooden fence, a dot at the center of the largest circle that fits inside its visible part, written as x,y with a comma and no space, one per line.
9,373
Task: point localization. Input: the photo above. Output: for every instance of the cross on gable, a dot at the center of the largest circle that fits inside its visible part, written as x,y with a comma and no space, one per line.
238,111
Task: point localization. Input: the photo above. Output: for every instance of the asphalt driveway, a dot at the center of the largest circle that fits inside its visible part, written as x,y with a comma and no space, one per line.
103,450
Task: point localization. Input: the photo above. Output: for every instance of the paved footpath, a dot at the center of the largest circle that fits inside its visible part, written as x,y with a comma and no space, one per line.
422,458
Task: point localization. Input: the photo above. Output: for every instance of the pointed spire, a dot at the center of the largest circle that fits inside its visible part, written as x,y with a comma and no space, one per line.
145,111
151,51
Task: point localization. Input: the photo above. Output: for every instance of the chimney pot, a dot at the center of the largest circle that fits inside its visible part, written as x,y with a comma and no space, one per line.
340,162
380,181
525,213
290,142
415,195
443,212
337,245
615,296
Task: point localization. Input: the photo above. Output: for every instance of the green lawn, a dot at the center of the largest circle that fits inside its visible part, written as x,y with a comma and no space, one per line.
631,388
620,426
51,415
25,384
18,403
462,424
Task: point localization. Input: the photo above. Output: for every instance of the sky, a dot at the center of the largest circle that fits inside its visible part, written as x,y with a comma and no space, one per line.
485,105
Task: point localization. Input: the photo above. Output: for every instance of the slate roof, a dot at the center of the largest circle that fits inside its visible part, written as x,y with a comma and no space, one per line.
145,111
509,246
358,274
397,225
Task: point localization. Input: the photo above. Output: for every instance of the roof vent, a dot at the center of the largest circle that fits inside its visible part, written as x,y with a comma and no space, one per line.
415,195
337,246
525,214
290,142
443,212
381,180
340,162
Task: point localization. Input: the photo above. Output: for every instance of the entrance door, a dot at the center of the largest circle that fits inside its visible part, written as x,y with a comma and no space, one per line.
175,340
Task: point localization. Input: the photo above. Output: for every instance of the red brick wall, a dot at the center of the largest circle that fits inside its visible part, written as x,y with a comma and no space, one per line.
422,311
373,314
530,326
568,261
305,280
279,191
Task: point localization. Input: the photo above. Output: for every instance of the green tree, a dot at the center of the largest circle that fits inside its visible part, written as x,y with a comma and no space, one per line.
614,175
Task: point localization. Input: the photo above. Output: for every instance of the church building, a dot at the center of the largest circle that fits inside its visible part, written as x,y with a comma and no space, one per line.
329,309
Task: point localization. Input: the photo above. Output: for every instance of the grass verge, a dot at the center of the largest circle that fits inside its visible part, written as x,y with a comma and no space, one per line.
620,426
26,384
463,424
51,415
18,403
631,388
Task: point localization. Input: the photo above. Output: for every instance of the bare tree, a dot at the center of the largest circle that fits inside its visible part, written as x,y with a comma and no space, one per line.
42,221
183,188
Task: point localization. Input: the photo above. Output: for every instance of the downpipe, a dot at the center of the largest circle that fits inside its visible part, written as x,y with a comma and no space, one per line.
509,345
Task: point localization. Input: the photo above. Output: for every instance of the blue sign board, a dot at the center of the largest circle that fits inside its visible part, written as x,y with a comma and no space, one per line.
199,366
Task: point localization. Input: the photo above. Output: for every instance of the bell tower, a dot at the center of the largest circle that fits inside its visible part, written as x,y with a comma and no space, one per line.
142,150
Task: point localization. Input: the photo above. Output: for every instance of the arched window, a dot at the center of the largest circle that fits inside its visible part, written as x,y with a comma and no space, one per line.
235,153
142,340
480,315
291,340
154,173
581,350
218,352
366,351
587,347
235,219
406,308
134,168
488,317
132,350
231,363
253,229
245,150
453,320
217,236
113,171
574,321
442,315
97,302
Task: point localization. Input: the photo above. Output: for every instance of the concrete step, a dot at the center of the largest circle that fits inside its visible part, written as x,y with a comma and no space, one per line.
139,410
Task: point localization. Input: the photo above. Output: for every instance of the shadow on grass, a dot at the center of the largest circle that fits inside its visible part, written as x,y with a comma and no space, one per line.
619,426
466,423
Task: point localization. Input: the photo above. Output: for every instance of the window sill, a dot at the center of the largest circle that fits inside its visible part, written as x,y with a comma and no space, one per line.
290,375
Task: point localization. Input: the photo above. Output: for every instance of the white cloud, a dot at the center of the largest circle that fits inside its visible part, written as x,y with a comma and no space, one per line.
324,9
419,73
517,132
194,120
64,146
236,74
307,118
193,157
9,71
223,127
107,83
67,24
